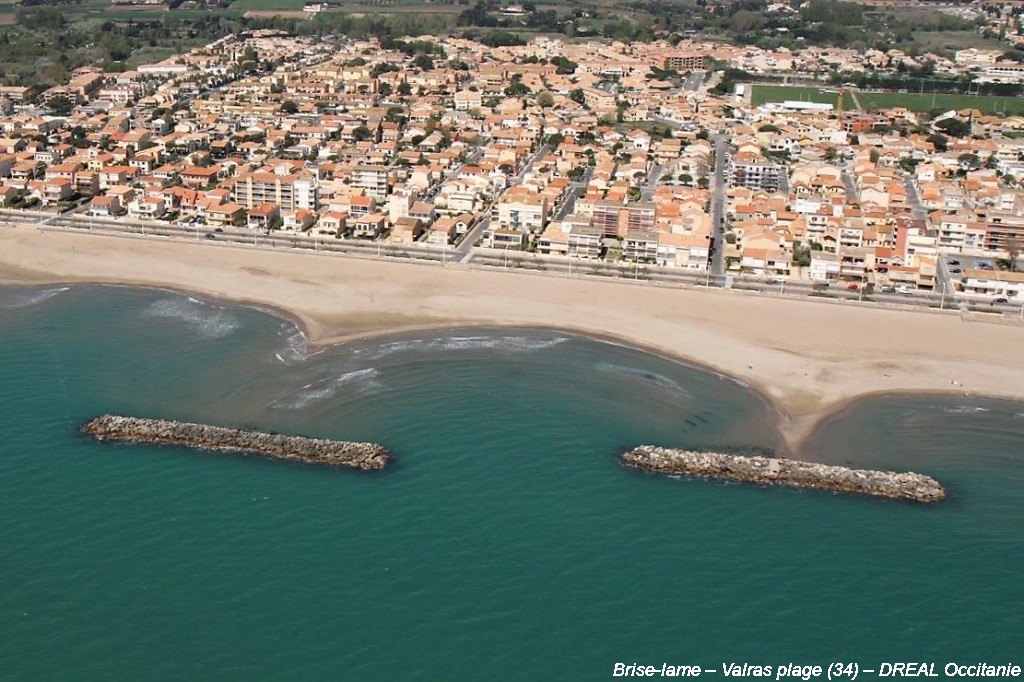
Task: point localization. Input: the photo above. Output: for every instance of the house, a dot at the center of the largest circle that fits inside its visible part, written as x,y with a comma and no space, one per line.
368,226
105,207
332,222
225,215
264,216
199,177
148,208
57,190
443,232
406,231
299,221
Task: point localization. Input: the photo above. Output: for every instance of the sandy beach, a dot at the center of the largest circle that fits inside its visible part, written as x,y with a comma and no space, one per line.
809,358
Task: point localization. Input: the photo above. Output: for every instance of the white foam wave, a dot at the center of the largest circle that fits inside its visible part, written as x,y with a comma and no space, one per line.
211,322
30,298
653,377
508,344
296,350
965,409
356,382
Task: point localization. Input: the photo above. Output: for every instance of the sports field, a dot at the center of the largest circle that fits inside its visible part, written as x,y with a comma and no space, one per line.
763,94
925,102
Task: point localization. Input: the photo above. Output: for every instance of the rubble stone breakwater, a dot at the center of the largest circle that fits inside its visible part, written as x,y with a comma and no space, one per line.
777,471
365,456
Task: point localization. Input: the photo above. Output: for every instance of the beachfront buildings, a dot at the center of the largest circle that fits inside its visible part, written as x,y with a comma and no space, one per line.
599,156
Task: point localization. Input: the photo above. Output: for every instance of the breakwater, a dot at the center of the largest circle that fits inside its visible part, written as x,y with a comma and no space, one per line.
365,456
779,471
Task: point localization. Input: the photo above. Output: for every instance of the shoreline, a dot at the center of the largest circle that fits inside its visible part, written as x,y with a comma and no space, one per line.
846,354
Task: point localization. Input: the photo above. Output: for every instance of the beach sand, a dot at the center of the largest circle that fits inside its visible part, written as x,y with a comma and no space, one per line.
809,358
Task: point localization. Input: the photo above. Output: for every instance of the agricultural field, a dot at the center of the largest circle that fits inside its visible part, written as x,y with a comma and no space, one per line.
763,94
926,102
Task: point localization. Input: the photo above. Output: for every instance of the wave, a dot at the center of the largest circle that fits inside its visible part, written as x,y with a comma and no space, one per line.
509,344
358,381
653,377
296,346
210,321
965,409
30,298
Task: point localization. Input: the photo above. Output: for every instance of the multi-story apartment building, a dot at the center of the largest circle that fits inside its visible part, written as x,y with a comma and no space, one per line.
685,61
756,175
292,192
526,213
616,219
373,180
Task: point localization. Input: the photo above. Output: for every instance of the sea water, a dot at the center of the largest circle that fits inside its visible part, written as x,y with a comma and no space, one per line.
506,543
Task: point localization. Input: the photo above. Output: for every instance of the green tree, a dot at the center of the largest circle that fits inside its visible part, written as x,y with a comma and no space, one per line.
517,89
61,105
545,99
578,96
289,107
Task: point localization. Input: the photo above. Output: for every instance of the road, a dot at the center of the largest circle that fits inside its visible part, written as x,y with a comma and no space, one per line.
917,209
852,195
652,182
694,81
718,205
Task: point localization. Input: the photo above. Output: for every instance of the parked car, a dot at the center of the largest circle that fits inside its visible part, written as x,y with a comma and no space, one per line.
955,271
953,262
853,287
888,290
1002,300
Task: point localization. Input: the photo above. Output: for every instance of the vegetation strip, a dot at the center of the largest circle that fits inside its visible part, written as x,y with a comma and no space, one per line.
364,456
779,471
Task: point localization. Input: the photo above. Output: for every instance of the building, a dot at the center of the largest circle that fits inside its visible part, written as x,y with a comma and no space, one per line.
616,219
763,175
292,192
525,213
685,61
373,180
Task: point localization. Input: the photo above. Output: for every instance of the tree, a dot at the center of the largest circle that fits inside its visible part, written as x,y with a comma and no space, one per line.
517,89
362,133
874,155
703,182
545,99
969,161
289,107
831,153
423,62
941,142
954,127
61,105
404,89
578,96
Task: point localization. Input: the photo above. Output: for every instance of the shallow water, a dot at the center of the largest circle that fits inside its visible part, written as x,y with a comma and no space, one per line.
506,543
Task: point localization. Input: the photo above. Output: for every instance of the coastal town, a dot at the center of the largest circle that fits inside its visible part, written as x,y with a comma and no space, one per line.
638,159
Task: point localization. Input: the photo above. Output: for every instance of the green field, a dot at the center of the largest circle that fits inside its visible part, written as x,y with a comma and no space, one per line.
267,4
763,94
924,102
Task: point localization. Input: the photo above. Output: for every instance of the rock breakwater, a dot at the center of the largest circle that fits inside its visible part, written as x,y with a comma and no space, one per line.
778,471
365,456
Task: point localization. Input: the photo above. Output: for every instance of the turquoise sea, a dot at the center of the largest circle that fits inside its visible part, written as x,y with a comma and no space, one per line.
505,544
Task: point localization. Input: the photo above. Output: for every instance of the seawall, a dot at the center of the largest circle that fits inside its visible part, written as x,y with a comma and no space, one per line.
777,471
364,456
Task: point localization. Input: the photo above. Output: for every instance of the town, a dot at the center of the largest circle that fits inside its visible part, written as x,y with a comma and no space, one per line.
697,161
